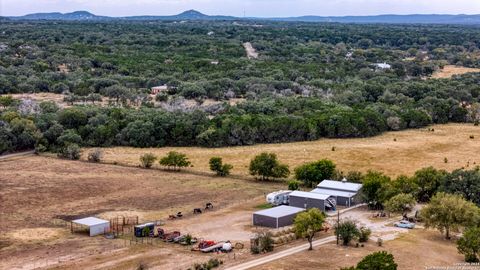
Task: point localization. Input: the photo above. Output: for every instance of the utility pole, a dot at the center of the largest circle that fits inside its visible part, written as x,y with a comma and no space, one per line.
338,223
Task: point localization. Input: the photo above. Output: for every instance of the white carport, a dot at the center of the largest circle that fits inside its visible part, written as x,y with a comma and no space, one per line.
95,225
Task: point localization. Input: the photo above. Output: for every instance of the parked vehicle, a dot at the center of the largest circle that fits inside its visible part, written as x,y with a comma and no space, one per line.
279,197
404,224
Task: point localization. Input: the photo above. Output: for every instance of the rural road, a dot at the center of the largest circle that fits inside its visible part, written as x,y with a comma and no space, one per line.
281,254
17,154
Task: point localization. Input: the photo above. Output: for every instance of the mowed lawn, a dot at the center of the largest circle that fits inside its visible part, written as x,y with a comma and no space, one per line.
393,153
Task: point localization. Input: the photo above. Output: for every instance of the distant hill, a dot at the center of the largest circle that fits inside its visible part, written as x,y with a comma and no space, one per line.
198,16
73,16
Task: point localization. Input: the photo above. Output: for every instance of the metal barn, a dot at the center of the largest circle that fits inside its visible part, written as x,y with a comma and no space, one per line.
276,217
345,193
309,200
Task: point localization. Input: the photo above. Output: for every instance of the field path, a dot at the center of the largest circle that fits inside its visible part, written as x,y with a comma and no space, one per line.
281,254
27,153
251,52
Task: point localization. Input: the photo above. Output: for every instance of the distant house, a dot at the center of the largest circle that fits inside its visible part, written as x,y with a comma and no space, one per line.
214,62
157,89
211,33
383,65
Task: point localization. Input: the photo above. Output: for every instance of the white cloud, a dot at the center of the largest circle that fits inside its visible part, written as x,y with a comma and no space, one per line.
261,8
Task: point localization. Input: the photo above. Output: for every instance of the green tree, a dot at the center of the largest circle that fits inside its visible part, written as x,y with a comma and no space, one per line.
347,230
266,165
448,212
400,203
216,165
147,160
380,260
469,244
175,160
375,188
315,172
306,224
428,180
464,182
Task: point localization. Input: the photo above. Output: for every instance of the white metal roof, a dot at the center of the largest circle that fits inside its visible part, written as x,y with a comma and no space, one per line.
341,185
310,195
280,211
334,192
90,221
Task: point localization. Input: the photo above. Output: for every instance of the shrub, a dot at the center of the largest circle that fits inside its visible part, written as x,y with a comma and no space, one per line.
293,185
364,234
469,244
347,230
147,160
264,243
216,165
381,260
175,160
95,155
70,151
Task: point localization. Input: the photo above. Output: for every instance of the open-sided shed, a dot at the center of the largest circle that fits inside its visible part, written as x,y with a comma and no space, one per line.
309,200
276,217
95,225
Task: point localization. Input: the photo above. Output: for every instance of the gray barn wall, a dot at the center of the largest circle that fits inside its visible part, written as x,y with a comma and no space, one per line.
307,203
264,221
286,220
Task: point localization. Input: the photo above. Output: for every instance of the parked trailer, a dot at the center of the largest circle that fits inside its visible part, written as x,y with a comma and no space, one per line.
215,247
279,197
142,231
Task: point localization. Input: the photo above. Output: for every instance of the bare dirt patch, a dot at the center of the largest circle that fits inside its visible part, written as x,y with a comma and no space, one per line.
449,71
394,153
251,52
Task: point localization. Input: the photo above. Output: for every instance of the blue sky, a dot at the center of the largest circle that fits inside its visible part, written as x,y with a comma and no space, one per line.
257,8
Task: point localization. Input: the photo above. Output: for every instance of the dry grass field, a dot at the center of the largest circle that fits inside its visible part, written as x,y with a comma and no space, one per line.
450,70
35,191
416,250
393,153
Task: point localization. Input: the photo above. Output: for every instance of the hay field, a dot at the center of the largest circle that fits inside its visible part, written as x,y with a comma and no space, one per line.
451,70
412,150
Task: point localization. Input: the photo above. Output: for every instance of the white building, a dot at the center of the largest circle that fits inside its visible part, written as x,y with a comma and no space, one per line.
95,225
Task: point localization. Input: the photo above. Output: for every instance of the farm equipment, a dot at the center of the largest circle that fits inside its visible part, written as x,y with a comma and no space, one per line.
206,246
379,215
167,237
